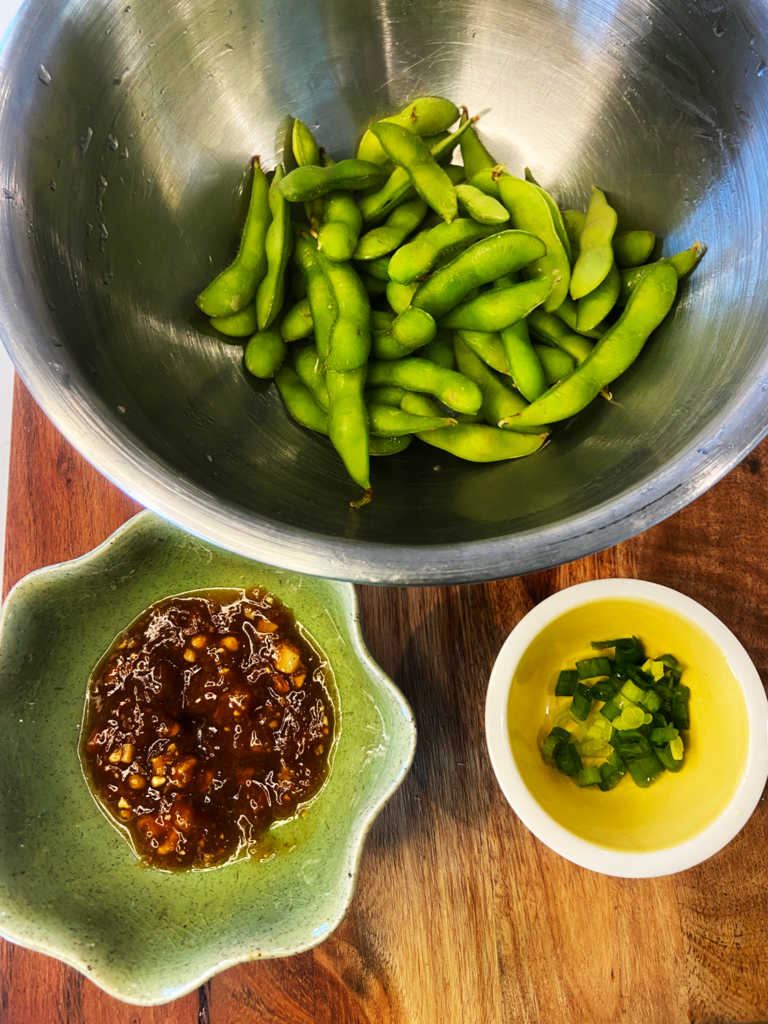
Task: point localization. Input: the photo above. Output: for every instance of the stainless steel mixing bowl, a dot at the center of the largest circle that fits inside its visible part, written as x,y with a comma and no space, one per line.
125,132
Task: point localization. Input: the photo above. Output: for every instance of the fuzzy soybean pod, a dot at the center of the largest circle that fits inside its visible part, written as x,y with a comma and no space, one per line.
297,322
279,243
487,180
632,248
340,230
569,314
574,221
310,182
550,328
595,306
389,445
348,426
373,286
596,256
427,176
481,207
236,286
409,331
524,365
265,352
530,211
417,257
487,346
399,296
612,355
557,217
403,220
319,292
556,363
309,368
477,442
440,350
307,152
415,374
241,325
473,153
350,339
427,115
388,395
378,268
683,263
499,400
495,310
386,421
299,401
483,262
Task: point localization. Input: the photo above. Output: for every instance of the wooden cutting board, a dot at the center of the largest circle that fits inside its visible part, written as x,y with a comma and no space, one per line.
460,914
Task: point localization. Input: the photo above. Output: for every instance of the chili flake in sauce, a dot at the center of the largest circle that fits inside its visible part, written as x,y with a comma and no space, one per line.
208,720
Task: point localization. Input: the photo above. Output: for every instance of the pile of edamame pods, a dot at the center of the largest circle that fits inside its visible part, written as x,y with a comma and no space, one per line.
398,294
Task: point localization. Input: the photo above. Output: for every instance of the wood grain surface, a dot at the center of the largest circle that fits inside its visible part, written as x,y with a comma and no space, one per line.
461,916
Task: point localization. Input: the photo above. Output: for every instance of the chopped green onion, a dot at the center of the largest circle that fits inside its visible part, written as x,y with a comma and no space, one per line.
630,718
676,748
566,683
680,716
581,704
638,676
631,691
670,762
662,735
621,701
612,772
669,660
600,729
591,667
645,770
604,689
650,700
628,649
620,672
610,711
568,760
631,744
589,777
557,738
664,689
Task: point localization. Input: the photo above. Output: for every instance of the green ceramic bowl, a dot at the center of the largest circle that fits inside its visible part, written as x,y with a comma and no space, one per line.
70,886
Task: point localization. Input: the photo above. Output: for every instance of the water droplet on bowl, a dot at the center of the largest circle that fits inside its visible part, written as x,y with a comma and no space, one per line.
112,142
762,67
85,141
44,75
718,29
52,186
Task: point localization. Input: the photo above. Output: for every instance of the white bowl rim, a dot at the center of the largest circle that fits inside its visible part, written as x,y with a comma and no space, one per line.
620,863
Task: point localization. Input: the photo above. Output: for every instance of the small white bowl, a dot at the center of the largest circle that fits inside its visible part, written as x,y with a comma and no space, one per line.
621,862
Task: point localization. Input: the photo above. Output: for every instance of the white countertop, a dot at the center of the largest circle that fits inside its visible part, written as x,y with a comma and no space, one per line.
7,10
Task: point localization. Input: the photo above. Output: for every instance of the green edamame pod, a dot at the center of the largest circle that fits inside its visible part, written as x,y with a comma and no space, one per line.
399,295
348,426
481,207
551,328
648,304
321,299
310,182
411,330
380,241
495,310
387,395
236,286
398,187
440,350
632,248
595,306
278,244
556,363
299,401
309,369
523,364
297,322
415,374
373,286
340,230
474,154
487,180
499,401
381,319
265,352
683,263
574,221
386,421
307,152
557,217
427,115
389,445
596,256
569,314
488,346
427,176
350,339
484,261
240,325
530,211
418,257
477,442
378,268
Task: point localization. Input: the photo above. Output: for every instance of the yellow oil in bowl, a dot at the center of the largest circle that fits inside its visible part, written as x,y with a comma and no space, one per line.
677,806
